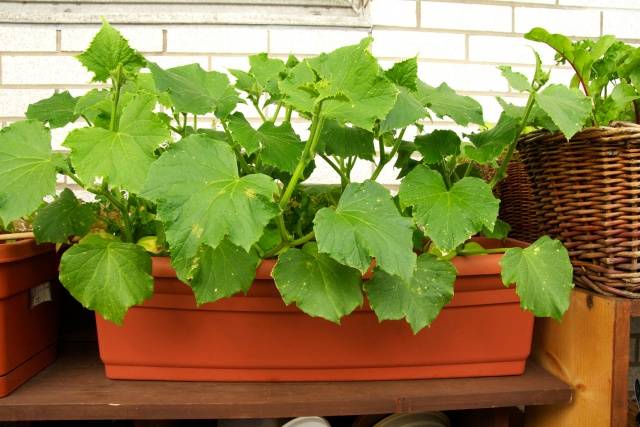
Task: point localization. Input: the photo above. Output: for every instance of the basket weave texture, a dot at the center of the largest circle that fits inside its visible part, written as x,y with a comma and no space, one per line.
587,194
517,202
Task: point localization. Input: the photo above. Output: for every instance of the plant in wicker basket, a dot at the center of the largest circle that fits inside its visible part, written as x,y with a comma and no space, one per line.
169,154
585,182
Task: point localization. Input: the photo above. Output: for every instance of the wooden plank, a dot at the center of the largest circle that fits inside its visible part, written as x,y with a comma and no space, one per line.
581,350
620,368
74,388
634,307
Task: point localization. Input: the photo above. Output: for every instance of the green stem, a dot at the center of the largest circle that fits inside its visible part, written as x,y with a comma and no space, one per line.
195,122
258,109
502,170
467,171
283,229
287,114
351,163
384,159
77,180
308,154
334,166
286,245
446,175
302,240
236,148
127,228
184,123
276,250
86,119
275,114
117,84
124,211
482,252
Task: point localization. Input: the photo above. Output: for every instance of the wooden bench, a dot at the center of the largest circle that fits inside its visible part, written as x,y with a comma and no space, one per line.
74,388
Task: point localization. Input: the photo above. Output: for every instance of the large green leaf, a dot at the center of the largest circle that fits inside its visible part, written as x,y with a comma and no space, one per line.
437,145
27,169
500,230
243,133
568,108
407,110
345,141
404,73
366,224
245,82
223,272
108,49
194,90
445,102
543,276
318,285
58,110
418,300
95,105
488,145
107,275
65,216
279,146
449,216
517,81
145,83
120,157
352,72
266,71
207,201
297,88
581,54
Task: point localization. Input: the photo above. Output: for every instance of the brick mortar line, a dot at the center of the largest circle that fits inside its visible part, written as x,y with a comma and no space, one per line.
601,16
44,86
475,33
257,120
556,6
61,53
453,61
58,40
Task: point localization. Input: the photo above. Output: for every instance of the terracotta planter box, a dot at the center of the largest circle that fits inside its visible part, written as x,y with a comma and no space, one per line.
28,311
482,332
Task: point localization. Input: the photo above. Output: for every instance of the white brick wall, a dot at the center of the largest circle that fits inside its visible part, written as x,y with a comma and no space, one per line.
465,16
217,39
404,44
302,41
579,22
457,41
144,38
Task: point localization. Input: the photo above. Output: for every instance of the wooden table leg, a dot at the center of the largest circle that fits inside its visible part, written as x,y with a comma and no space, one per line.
588,349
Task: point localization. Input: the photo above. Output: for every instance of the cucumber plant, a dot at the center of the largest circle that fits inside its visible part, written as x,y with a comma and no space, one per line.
605,70
178,170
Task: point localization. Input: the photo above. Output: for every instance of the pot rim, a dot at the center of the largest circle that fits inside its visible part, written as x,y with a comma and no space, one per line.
468,265
22,249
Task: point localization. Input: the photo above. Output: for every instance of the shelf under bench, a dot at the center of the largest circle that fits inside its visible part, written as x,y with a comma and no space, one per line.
74,388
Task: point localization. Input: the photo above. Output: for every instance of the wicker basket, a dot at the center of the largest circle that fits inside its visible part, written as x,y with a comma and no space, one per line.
517,203
587,194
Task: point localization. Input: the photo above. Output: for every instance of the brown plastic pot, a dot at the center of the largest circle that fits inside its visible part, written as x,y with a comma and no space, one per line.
482,332
28,321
